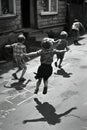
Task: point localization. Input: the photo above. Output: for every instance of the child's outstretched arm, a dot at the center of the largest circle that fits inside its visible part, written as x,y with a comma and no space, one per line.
59,51
8,46
55,42
32,54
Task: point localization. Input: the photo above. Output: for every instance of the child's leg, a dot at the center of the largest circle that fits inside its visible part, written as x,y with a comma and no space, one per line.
37,85
18,63
56,61
76,38
60,62
45,86
23,72
19,69
15,74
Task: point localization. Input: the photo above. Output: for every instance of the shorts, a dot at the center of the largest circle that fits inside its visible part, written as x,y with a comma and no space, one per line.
44,71
60,55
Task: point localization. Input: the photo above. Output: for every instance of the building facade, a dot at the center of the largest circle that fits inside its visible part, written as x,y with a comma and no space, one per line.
38,14
18,15
77,9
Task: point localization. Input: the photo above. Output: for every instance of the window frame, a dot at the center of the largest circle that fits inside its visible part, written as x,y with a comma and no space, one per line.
49,12
9,15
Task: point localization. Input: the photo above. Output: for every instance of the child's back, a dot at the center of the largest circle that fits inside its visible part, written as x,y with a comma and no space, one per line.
62,43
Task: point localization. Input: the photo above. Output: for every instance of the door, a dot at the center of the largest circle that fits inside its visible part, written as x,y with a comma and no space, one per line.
28,13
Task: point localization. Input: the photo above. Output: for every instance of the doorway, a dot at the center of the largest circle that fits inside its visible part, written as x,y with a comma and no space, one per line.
28,13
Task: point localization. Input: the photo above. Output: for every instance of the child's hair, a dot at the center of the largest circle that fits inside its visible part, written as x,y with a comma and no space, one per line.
21,38
46,43
76,20
63,34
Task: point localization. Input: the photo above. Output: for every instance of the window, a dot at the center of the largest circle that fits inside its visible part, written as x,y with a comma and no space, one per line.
7,7
49,7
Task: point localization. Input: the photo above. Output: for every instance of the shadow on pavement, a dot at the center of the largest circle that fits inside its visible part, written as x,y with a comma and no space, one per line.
49,113
77,44
17,85
63,73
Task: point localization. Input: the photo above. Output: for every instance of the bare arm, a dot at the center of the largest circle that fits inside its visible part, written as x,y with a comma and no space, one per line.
8,46
37,53
55,42
67,47
59,51
82,27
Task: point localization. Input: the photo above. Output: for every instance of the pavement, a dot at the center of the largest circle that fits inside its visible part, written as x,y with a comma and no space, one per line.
64,107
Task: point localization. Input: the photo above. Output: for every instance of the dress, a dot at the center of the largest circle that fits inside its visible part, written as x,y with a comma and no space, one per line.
18,53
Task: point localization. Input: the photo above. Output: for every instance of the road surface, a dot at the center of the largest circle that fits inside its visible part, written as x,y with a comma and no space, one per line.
64,107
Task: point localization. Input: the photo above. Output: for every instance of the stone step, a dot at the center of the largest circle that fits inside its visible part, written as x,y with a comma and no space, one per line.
36,35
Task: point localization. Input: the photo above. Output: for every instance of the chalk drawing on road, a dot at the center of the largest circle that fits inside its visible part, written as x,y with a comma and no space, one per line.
13,98
5,108
4,113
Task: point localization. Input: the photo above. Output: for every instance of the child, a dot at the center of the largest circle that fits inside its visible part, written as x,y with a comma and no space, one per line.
61,45
46,58
19,50
75,30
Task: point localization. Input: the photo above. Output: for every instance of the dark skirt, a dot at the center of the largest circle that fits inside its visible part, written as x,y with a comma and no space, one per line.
44,71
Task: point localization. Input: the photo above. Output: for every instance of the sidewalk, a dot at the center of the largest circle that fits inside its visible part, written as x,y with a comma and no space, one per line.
21,109
6,69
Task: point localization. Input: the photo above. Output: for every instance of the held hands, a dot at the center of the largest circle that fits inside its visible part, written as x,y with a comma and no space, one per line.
26,56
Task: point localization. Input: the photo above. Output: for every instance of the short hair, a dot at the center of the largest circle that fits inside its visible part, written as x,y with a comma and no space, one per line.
76,20
21,38
46,43
64,34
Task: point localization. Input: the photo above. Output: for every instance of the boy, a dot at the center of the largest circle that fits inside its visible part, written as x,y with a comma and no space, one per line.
61,45
46,58
19,50
75,30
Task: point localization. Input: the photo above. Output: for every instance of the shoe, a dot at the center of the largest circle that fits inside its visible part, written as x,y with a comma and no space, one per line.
45,90
59,66
22,79
36,91
55,64
15,76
